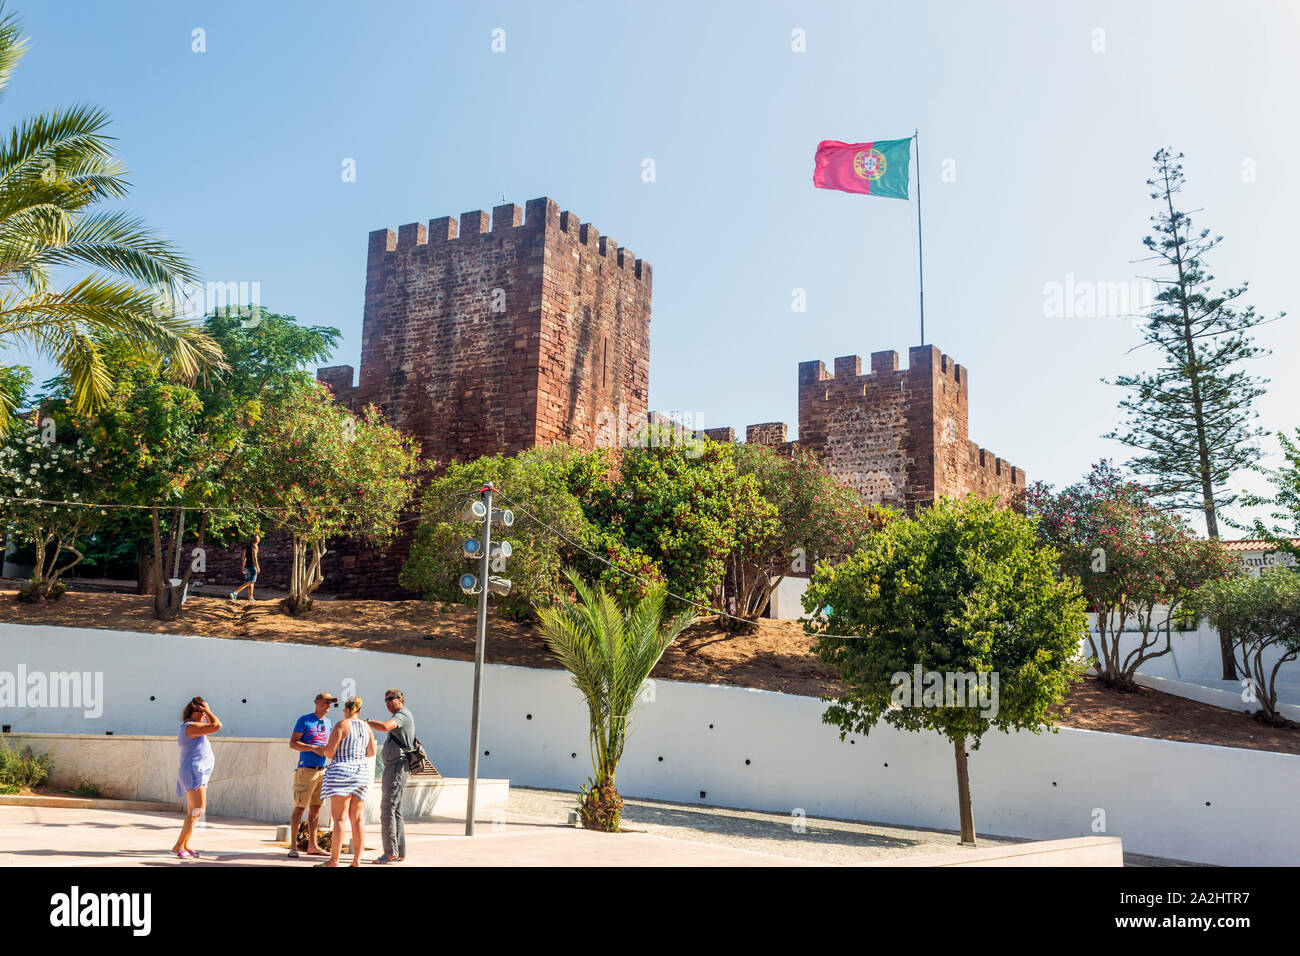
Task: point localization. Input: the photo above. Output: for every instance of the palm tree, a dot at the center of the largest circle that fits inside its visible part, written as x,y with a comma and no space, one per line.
610,651
54,168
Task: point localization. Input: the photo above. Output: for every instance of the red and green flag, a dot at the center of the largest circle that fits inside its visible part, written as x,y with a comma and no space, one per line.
877,169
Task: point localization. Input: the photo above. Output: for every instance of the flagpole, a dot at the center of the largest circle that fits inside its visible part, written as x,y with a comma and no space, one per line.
920,255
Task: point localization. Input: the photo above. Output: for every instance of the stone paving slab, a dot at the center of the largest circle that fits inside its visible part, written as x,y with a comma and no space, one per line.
44,836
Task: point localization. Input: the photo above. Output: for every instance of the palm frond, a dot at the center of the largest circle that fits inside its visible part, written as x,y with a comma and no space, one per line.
121,243
98,305
13,45
50,146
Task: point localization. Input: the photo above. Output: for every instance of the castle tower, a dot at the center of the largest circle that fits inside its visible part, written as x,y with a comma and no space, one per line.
900,436
493,335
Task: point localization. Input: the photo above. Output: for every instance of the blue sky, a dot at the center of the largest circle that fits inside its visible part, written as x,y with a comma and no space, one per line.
1048,124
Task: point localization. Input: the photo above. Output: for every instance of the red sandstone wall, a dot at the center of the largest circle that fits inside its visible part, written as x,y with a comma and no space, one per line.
352,569
595,333
444,365
482,338
900,436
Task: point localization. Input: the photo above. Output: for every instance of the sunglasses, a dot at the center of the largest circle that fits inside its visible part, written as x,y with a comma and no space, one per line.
386,699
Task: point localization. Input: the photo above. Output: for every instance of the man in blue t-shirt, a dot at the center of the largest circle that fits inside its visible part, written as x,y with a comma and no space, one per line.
310,735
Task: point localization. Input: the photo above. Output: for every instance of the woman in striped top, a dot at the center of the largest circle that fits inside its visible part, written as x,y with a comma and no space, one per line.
347,778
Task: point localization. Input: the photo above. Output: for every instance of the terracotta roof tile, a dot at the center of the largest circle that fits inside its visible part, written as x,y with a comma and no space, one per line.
1253,544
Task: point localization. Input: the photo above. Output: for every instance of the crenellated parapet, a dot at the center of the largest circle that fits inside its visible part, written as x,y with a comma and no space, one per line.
898,435
537,215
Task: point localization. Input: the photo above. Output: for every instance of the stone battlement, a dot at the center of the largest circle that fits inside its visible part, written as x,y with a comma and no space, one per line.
898,435
536,214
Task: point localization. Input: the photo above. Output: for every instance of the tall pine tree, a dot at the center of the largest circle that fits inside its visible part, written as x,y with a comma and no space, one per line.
1190,418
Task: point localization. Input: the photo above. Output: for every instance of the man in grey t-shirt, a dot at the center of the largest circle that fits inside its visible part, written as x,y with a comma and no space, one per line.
401,738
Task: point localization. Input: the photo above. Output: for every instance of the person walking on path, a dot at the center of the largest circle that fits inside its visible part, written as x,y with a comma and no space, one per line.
250,566
347,778
198,722
310,735
401,739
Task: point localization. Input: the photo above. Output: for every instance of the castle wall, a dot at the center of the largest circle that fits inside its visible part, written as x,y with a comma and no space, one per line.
899,436
595,333
494,334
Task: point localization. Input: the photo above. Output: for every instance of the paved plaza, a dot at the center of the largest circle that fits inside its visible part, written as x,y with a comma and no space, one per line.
529,831
44,836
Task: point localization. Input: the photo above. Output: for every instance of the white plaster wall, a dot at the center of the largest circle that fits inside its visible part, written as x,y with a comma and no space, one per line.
787,599
1195,658
737,747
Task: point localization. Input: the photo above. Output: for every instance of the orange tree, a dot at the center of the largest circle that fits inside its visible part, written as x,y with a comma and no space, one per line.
158,463
316,470
964,590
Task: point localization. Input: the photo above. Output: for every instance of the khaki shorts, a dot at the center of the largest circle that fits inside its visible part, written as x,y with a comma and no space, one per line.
306,786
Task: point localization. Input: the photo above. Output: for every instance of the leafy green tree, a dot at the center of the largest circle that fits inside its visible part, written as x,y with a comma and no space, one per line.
155,463
817,517
15,383
1263,614
172,445
963,590
610,650
537,479
1135,563
268,355
49,475
315,470
1284,502
56,168
680,502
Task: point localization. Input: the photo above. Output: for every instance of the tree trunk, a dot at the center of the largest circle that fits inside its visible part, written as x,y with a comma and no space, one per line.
963,793
305,575
168,598
1226,655
143,568
1198,410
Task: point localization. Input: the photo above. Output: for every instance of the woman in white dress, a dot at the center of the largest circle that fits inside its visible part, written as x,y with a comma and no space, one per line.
347,778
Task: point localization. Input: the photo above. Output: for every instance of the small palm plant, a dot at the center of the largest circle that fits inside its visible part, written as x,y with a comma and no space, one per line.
54,168
610,650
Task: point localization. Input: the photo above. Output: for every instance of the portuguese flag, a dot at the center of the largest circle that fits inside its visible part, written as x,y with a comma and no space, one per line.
877,169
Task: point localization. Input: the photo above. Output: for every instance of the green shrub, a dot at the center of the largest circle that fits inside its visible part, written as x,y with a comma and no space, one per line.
88,788
536,480
22,770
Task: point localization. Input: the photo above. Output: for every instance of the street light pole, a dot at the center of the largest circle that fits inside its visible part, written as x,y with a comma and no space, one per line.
480,645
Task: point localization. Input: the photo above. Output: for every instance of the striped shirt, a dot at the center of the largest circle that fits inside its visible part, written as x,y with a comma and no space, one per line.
349,772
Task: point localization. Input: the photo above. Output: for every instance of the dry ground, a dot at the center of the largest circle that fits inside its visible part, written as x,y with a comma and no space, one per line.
775,658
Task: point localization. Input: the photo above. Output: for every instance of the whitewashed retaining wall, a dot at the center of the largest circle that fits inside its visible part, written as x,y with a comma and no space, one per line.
1193,668
723,746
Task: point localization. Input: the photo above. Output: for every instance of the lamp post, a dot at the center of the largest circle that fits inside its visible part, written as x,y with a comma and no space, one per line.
483,550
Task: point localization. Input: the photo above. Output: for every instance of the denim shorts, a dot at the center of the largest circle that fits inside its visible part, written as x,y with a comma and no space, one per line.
250,575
